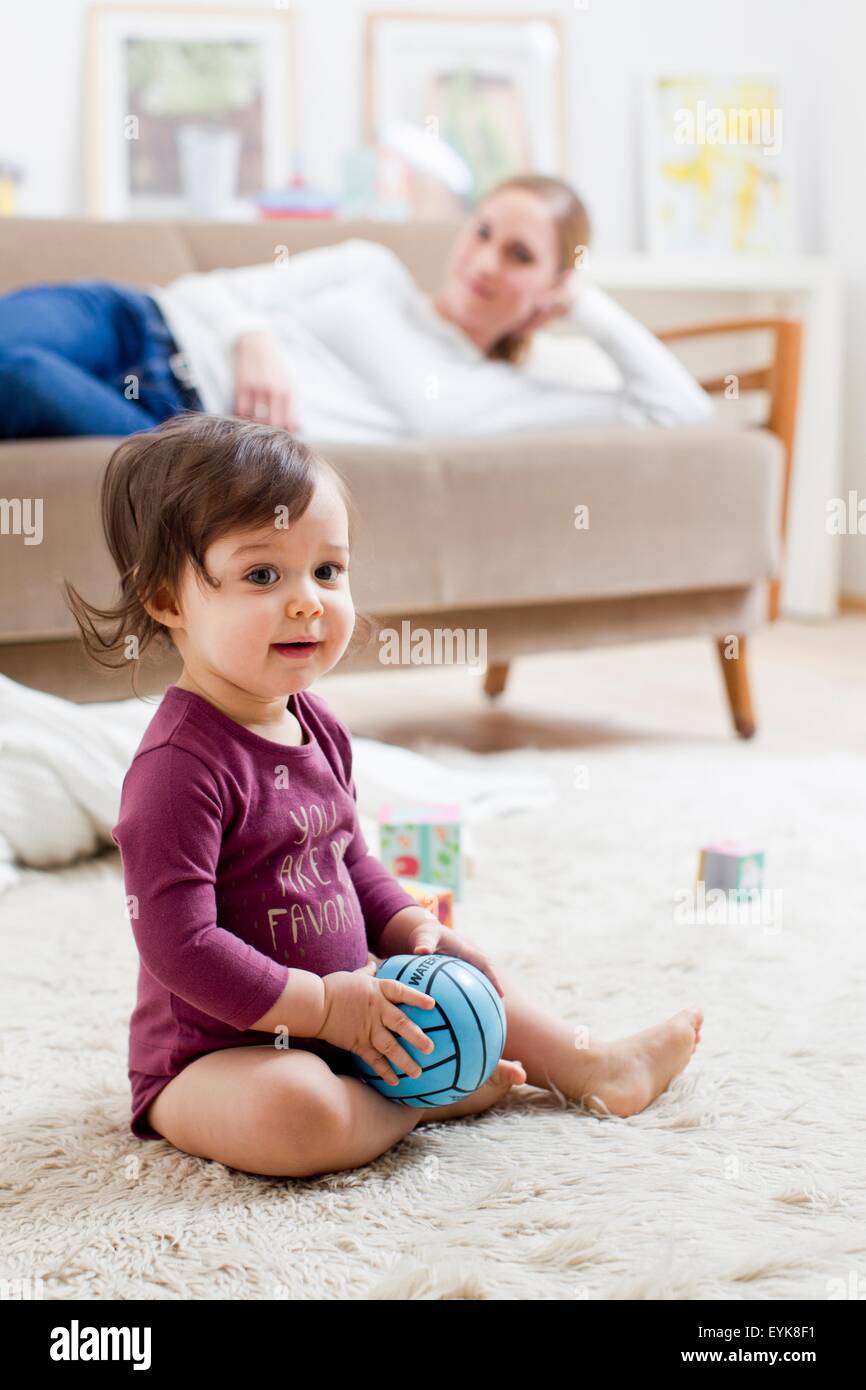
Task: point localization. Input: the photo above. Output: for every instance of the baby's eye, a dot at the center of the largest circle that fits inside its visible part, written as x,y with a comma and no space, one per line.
332,565
261,569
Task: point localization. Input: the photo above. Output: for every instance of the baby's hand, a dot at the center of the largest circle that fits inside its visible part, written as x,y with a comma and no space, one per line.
361,1016
431,937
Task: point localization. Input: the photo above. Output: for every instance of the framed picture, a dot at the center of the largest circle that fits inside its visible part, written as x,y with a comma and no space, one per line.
718,177
191,109
489,87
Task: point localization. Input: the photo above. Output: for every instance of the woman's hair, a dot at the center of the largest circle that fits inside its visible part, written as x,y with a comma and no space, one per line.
167,494
573,230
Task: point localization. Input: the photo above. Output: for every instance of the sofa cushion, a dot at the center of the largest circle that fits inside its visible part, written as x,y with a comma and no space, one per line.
37,251
486,522
492,521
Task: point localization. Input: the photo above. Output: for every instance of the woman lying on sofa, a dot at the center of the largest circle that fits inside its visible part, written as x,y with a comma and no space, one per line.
339,343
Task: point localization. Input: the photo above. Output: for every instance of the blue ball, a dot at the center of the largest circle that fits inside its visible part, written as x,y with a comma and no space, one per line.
467,1026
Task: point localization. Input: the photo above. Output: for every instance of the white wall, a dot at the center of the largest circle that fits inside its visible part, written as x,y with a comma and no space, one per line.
611,44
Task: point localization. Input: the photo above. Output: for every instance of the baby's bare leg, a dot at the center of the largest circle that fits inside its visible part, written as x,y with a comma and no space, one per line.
624,1075
285,1113
544,1043
371,1122
279,1113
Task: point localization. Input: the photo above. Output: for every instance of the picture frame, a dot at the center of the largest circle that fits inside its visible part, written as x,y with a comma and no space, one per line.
718,178
191,110
490,85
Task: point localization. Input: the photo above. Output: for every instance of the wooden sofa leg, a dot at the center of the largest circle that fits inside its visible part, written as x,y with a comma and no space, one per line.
737,684
495,678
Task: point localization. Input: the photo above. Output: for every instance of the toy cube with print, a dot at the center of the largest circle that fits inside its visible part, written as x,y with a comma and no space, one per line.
422,841
435,897
733,867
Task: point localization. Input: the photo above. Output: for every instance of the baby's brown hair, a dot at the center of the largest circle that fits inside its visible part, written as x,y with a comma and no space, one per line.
167,494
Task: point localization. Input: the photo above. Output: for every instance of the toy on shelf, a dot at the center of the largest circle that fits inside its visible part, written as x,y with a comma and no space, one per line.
732,866
435,897
421,840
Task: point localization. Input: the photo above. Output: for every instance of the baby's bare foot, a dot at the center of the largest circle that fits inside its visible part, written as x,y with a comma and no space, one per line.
623,1077
498,1084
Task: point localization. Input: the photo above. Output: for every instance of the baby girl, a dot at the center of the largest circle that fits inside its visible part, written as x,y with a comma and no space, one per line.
258,913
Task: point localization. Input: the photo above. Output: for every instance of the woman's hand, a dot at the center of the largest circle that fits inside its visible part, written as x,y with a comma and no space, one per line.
552,306
262,382
431,937
362,1016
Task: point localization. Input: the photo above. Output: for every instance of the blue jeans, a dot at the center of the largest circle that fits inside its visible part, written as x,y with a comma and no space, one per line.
85,358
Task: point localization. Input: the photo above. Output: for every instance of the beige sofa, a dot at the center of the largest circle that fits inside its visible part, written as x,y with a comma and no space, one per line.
467,534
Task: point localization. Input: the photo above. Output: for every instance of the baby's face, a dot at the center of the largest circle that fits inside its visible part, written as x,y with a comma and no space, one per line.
277,584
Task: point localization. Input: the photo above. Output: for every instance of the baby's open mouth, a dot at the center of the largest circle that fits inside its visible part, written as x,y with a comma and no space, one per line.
295,648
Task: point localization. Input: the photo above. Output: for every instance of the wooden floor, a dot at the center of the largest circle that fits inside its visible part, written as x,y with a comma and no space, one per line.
808,691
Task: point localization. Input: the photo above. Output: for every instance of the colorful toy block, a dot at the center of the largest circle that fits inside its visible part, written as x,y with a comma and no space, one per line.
437,899
422,841
732,866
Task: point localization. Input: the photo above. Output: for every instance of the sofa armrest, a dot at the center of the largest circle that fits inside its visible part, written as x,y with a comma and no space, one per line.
780,379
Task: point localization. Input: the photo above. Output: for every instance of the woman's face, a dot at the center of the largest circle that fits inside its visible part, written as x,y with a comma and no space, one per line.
276,585
504,263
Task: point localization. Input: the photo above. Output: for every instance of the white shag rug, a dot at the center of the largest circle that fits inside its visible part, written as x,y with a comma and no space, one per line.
745,1180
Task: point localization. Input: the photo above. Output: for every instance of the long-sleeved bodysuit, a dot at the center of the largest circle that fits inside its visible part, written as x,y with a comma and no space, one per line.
241,858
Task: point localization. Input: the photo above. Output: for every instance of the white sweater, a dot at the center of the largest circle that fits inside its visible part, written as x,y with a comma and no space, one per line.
370,359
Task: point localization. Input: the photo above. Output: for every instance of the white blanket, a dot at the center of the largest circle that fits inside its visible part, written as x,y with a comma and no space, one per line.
62,766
